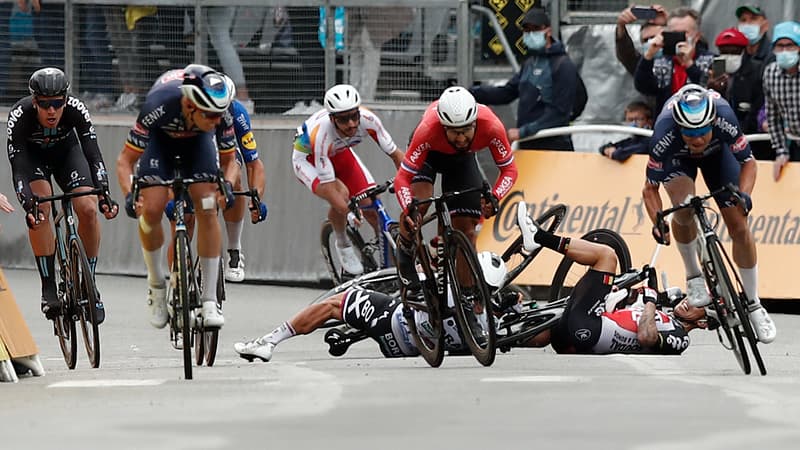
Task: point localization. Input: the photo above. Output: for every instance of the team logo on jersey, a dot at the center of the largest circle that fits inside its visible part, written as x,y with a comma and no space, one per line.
249,141
583,334
740,144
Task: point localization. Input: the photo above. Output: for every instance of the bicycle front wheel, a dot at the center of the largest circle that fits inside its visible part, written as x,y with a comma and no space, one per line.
64,324
331,256
205,345
471,298
86,298
425,323
568,273
183,269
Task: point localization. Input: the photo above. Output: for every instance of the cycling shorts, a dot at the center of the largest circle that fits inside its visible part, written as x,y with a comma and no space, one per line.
199,158
581,324
374,313
346,165
718,169
65,162
459,172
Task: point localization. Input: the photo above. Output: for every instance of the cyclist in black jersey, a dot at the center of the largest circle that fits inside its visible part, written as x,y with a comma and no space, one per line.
50,135
185,114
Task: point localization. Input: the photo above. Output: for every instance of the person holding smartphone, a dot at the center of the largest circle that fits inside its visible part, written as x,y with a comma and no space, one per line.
685,59
655,17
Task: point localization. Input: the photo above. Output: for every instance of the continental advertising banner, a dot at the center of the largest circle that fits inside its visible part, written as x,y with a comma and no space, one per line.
601,193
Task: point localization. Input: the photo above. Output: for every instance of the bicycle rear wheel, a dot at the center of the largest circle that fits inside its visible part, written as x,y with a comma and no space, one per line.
86,299
568,273
331,257
183,269
515,257
472,303
430,343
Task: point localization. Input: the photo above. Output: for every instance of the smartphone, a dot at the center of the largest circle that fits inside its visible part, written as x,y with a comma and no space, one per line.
671,39
718,66
644,12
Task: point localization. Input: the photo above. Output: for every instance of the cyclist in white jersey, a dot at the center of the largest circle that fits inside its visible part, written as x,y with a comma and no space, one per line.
324,161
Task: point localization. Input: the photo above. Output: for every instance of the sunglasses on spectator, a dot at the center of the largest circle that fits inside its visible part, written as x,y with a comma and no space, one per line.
54,102
344,119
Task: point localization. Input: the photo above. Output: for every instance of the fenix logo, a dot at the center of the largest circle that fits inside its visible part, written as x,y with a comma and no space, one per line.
150,118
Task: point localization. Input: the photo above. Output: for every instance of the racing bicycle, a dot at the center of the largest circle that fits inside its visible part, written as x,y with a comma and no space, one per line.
377,253
729,301
77,290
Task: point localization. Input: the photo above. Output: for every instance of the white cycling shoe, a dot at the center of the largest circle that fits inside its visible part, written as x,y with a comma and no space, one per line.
527,227
763,324
212,315
234,270
351,263
257,348
696,292
157,305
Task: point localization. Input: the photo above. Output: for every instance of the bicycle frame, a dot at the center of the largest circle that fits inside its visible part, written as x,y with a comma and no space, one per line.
386,246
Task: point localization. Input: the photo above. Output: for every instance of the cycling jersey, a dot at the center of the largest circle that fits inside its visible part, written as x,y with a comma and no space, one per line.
720,162
36,152
381,317
317,142
243,132
430,136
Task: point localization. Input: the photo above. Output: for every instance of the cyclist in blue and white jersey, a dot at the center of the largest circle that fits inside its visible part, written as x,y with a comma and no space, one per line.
180,116
697,129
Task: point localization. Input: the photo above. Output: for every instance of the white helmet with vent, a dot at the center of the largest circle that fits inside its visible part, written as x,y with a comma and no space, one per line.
457,107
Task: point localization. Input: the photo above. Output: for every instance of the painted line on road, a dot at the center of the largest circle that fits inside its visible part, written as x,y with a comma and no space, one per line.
537,379
105,383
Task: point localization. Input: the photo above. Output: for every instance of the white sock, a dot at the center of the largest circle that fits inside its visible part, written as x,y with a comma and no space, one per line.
750,283
343,241
210,268
283,332
155,271
688,253
234,230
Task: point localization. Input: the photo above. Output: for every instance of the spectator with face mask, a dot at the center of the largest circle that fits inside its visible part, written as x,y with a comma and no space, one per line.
782,95
638,114
740,85
754,25
627,53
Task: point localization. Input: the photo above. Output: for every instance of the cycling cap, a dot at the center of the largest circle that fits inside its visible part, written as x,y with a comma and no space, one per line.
342,97
206,88
694,108
48,82
457,107
494,269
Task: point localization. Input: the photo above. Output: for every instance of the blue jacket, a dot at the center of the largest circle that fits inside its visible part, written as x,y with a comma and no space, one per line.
545,86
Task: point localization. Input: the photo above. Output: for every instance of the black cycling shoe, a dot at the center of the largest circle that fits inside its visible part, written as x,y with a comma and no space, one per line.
51,306
99,311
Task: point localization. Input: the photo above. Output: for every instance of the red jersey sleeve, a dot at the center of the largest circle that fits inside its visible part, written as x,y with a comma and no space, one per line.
501,151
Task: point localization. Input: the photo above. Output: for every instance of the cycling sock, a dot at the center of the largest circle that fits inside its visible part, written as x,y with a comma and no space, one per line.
283,332
552,241
688,253
210,269
234,230
155,272
93,264
750,283
46,265
342,240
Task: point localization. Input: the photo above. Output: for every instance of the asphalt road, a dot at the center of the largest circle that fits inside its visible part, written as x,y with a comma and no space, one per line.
306,399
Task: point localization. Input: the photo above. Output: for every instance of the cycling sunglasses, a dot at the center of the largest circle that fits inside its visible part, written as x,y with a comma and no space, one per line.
695,132
210,115
344,119
54,102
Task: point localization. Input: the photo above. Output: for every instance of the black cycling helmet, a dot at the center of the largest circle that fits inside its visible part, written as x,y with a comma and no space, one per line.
206,88
48,82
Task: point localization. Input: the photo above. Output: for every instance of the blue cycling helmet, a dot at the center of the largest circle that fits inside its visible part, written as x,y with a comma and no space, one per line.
206,88
694,109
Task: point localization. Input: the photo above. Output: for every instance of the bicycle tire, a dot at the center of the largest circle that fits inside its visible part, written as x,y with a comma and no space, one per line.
431,347
519,328
183,267
563,276
549,220
461,259
211,337
64,324
331,258
86,293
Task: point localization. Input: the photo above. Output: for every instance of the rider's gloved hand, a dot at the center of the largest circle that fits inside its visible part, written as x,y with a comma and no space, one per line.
746,203
107,205
227,191
32,214
262,213
489,205
661,232
412,219
130,208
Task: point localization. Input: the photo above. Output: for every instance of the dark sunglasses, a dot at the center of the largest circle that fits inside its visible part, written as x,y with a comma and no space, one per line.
344,119
210,115
54,102
460,131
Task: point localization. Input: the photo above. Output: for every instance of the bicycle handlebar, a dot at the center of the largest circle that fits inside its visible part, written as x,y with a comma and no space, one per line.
697,201
66,196
485,191
370,193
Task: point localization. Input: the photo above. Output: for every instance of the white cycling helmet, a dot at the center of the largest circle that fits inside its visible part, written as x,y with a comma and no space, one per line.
457,107
341,97
206,88
231,87
694,107
494,269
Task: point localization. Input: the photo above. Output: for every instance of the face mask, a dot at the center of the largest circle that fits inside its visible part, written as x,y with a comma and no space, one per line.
732,63
534,40
646,47
787,59
751,31
635,124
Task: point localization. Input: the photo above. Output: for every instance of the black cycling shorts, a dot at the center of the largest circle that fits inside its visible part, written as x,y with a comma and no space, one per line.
371,312
459,172
581,323
199,158
65,162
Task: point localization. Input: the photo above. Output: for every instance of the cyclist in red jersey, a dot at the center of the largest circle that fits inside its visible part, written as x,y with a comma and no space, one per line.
451,132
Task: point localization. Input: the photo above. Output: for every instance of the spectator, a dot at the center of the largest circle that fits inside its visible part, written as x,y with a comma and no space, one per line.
220,19
782,95
639,115
662,76
627,53
5,50
5,206
273,25
754,25
741,86
48,30
130,29
545,86
95,59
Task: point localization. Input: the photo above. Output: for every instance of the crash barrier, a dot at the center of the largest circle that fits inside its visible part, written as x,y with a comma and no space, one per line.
17,346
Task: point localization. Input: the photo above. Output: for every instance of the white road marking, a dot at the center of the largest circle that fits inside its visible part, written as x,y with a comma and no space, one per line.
537,379
104,383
